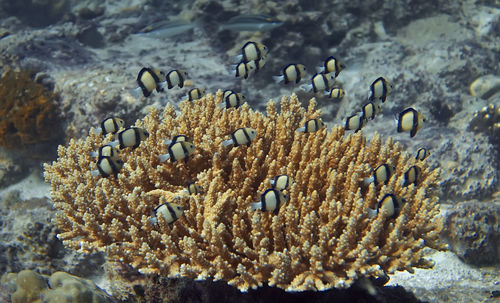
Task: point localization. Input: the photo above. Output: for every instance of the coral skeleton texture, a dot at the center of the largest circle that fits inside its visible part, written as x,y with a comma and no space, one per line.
323,237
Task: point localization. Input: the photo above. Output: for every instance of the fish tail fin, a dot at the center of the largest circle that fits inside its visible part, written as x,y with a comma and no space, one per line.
301,129
136,92
94,173
161,85
96,131
163,157
153,220
307,87
372,213
114,143
255,205
278,79
93,154
227,142
237,59
367,181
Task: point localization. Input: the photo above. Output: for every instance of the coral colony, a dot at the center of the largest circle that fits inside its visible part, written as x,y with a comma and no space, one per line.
325,228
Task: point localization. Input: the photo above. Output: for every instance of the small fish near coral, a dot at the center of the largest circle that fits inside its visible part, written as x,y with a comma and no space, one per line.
107,166
195,94
232,99
178,138
410,120
354,122
281,182
381,174
177,151
320,82
251,51
380,89
336,93
106,151
292,73
111,125
331,65
271,200
422,154
241,136
148,80
170,212
311,126
370,110
130,137
194,188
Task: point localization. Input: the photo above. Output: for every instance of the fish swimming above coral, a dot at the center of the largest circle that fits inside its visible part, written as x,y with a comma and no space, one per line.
291,73
168,211
271,200
331,65
232,99
281,182
251,51
379,89
251,23
410,120
311,126
107,166
148,80
355,122
336,93
110,125
177,151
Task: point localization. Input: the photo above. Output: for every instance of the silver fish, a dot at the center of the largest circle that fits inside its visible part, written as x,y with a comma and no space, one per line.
250,23
166,29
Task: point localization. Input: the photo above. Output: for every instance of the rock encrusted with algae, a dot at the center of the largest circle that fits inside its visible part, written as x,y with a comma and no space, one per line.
473,232
322,238
31,287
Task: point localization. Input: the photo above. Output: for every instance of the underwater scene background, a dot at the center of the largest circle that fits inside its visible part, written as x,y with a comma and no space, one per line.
426,229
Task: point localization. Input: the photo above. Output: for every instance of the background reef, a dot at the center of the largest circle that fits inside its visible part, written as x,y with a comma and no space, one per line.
441,56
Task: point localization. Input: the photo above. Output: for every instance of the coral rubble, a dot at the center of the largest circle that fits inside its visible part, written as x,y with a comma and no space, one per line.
322,238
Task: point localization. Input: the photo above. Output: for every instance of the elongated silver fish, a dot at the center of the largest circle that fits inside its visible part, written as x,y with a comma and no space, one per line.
250,23
166,29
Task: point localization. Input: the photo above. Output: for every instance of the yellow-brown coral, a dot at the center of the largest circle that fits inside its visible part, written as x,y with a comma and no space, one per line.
322,238
28,113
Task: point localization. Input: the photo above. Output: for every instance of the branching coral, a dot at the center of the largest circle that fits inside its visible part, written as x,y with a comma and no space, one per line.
322,238
28,112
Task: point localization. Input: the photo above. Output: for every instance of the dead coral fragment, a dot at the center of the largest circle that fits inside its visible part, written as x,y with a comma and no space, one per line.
28,113
321,238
